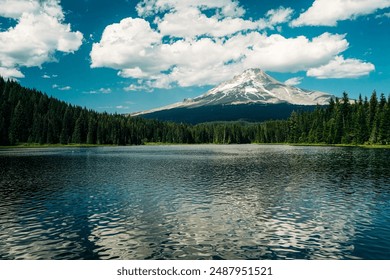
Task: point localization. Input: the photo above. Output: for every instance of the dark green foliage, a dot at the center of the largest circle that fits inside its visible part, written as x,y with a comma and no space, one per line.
343,122
29,116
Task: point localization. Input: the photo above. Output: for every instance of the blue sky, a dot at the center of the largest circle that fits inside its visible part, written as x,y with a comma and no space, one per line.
128,55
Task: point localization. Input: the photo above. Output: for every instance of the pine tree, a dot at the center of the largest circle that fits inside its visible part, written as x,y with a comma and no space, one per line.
360,123
372,109
79,130
383,121
17,125
3,140
92,129
67,126
293,128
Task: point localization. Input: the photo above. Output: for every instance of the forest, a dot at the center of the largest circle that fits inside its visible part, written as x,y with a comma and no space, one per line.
30,116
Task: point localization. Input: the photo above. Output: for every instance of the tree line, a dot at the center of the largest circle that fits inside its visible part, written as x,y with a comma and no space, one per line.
30,116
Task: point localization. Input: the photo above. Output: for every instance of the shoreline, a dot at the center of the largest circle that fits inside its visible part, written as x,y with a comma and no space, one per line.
34,145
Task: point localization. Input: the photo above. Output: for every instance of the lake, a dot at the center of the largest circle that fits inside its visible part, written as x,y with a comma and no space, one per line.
195,202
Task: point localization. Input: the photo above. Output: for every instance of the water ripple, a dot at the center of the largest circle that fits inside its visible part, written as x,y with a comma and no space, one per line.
195,202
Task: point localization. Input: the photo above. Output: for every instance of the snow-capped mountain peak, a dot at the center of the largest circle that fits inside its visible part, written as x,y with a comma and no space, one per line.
253,86
248,77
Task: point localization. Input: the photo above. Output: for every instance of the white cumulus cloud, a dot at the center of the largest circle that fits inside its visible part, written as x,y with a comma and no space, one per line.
10,73
208,61
127,44
294,81
46,76
105,90
65,88
101,90
187,20
15,8
280,54
342,68
62,88
176,43
280,15
329,12
192,22
227,8
40,31
385,15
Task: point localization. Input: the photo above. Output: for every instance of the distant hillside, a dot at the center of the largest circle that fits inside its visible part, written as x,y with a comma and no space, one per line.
248,112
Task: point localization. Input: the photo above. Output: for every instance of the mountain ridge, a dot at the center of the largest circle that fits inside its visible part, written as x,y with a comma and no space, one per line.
252,87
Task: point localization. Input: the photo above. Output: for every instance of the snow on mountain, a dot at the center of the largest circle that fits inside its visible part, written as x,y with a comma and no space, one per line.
253,86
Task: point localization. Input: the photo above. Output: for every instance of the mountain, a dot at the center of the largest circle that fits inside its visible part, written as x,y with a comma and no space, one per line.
252,96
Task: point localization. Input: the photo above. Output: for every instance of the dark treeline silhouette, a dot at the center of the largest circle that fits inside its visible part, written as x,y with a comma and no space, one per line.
29,116
344,122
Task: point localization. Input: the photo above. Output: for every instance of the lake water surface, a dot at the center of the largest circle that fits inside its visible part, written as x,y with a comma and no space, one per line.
195,202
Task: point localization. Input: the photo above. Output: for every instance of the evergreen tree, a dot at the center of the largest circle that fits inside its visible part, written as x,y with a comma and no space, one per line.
383,121
67,126
17,127
372,109
92,129
293,128
79,130
360,123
